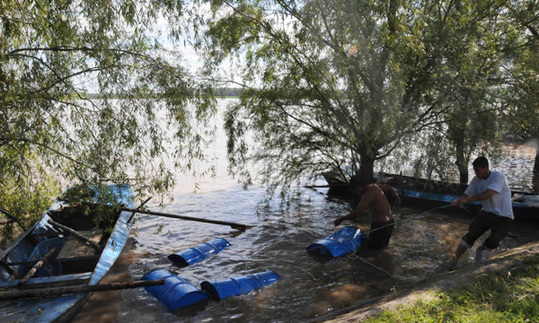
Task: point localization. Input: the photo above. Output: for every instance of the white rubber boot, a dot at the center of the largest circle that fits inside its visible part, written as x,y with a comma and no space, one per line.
482,254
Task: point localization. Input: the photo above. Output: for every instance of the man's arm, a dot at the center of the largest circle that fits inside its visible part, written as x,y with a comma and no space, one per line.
361,207
390,190
458,201
474,198
480,197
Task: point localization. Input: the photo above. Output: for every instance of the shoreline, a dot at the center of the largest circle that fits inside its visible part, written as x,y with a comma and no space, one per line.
426,290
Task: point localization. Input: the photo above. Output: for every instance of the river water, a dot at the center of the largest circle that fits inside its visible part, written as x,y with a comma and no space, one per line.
310,286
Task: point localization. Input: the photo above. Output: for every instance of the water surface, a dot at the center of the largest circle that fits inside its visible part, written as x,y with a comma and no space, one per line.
310,286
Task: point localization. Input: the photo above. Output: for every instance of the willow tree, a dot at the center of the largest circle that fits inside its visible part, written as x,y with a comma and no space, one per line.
487,75
328,83
341,83
476,36
522,93
523,99
53,133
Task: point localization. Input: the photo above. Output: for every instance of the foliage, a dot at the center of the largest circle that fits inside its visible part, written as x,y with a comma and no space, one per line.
523,101
488,82
522,98
329,84
485,44
495,297
24,200
52,53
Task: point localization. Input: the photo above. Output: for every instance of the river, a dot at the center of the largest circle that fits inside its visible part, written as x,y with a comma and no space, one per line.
310,286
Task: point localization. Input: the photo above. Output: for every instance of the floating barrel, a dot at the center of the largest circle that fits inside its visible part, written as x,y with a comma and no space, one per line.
241,285
176,293
196,254
340,243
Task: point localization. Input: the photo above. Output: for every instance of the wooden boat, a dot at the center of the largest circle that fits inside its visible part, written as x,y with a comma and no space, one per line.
68,259
432,193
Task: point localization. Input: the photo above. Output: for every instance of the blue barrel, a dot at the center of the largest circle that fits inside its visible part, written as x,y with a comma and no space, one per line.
340,243
196,254
241,285
176,293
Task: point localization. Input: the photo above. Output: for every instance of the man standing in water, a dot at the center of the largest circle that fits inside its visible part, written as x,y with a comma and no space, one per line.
492,190
374,199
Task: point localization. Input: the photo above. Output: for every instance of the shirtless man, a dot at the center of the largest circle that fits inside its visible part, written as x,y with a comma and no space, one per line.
374,199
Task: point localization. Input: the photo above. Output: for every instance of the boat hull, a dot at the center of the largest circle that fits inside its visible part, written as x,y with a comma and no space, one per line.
61,308
432,193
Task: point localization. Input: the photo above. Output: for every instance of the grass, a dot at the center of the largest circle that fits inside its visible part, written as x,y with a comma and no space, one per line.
511,296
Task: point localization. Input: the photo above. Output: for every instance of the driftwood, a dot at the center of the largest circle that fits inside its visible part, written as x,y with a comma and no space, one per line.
36,267
75,234
56,291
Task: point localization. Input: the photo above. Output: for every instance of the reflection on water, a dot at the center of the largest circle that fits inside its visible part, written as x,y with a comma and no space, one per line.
310,285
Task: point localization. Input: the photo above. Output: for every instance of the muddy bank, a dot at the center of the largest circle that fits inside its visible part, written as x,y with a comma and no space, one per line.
501,262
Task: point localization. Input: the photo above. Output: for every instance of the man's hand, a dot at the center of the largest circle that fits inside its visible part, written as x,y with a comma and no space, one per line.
338,221
455,202
398,201
460,201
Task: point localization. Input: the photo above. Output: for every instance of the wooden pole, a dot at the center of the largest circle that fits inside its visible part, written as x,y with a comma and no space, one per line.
36,267
233,225
56,291
138,209
76,234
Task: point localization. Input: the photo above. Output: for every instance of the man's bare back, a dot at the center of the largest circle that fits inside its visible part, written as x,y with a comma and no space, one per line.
373,200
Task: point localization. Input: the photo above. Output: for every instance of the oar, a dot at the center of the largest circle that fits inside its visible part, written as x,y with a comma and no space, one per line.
233,225
56,291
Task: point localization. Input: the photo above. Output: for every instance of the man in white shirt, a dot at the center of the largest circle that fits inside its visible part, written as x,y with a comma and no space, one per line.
492,190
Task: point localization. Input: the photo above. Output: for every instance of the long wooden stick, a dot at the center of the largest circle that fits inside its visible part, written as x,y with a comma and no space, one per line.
233,225
56,291
75,234
36,267
137,209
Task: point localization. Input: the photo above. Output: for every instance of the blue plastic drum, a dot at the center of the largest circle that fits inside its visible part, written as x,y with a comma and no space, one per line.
237,286
176,293
340,243
199,253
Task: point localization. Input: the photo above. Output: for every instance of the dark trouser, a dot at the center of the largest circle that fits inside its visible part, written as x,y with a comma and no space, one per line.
499,226
380,233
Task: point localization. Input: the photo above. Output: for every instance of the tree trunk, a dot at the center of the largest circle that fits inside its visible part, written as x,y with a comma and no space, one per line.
463,171
366,169
535,178
536,164
461,162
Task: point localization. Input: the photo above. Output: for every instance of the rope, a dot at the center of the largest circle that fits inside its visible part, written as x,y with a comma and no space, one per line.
374,266
410,219
387,225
